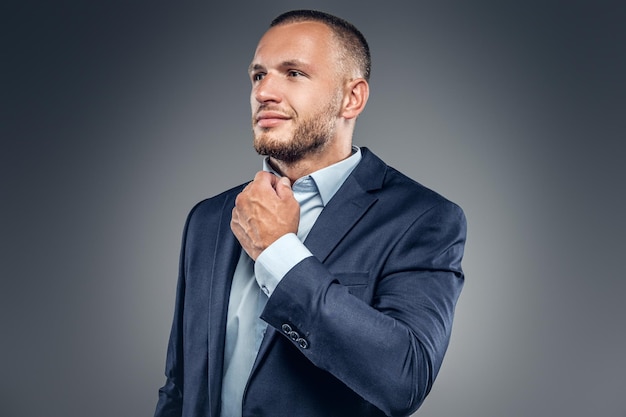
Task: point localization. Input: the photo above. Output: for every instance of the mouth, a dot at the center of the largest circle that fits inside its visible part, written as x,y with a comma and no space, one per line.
268,119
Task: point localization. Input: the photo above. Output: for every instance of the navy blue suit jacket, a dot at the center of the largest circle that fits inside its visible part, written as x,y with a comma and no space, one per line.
359,329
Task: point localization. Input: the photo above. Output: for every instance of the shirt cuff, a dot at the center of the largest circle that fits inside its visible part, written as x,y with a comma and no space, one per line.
278,259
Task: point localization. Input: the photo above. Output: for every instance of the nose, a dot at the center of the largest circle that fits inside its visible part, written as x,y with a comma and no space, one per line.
267,90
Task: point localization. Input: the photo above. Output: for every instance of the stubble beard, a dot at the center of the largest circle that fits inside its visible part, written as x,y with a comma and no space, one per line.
310,136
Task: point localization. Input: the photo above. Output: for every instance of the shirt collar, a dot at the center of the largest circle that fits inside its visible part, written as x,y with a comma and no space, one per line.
329,179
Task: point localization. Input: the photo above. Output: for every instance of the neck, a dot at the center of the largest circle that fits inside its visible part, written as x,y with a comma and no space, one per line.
310,163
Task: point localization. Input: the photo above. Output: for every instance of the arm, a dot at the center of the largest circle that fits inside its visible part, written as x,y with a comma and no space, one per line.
388,352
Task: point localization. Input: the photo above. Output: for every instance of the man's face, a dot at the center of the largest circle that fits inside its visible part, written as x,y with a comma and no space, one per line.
296,91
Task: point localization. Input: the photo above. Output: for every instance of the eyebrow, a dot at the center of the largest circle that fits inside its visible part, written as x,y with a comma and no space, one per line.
285,64
254,68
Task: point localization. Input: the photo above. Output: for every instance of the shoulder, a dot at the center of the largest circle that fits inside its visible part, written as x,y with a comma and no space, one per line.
396,190
218,200
210,209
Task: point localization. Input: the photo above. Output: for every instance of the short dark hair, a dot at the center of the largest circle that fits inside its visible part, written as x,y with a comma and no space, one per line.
354,43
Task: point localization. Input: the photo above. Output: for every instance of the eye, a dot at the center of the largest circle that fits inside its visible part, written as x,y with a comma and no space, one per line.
258,76
294,73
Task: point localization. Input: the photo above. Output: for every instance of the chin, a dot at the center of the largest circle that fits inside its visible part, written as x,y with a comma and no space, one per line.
268,138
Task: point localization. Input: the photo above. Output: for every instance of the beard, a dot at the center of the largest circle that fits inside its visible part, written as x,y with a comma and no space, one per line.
310,136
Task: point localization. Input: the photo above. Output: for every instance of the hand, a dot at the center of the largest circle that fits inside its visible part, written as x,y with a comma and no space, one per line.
264,211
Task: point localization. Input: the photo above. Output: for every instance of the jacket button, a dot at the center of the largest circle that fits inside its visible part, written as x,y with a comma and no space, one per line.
294,335
286,328
302,343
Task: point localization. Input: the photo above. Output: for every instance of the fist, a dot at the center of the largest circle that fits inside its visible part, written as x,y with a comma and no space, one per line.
264,211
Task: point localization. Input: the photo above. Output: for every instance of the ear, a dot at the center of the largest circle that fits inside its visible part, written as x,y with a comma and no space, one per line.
357,93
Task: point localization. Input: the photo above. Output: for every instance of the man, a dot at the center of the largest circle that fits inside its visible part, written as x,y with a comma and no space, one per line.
327,285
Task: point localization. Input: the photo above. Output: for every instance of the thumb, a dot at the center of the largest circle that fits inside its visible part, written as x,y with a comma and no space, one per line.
285,181
283,188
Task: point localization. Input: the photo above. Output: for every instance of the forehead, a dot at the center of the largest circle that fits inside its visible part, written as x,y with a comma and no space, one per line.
308,41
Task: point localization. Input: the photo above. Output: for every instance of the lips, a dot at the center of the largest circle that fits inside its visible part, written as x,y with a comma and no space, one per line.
266,119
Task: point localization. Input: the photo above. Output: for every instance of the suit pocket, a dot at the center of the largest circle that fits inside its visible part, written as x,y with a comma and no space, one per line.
356,282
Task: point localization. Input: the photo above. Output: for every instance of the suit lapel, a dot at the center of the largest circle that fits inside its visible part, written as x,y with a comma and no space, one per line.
341,213
347,207
227,252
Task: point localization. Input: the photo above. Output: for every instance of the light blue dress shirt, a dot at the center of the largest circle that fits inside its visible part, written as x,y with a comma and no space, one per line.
253,282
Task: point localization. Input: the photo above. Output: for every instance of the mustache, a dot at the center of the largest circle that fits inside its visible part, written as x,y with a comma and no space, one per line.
274,108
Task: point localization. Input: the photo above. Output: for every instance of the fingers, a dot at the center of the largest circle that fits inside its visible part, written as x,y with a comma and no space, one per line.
283,188
264,177
264,211
280,185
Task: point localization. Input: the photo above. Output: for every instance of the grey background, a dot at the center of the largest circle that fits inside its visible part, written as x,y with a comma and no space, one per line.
117,117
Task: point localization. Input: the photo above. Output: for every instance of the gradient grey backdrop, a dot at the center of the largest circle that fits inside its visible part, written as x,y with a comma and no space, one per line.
118,117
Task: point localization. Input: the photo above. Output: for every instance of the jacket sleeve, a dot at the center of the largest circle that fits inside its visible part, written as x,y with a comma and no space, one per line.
388,351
